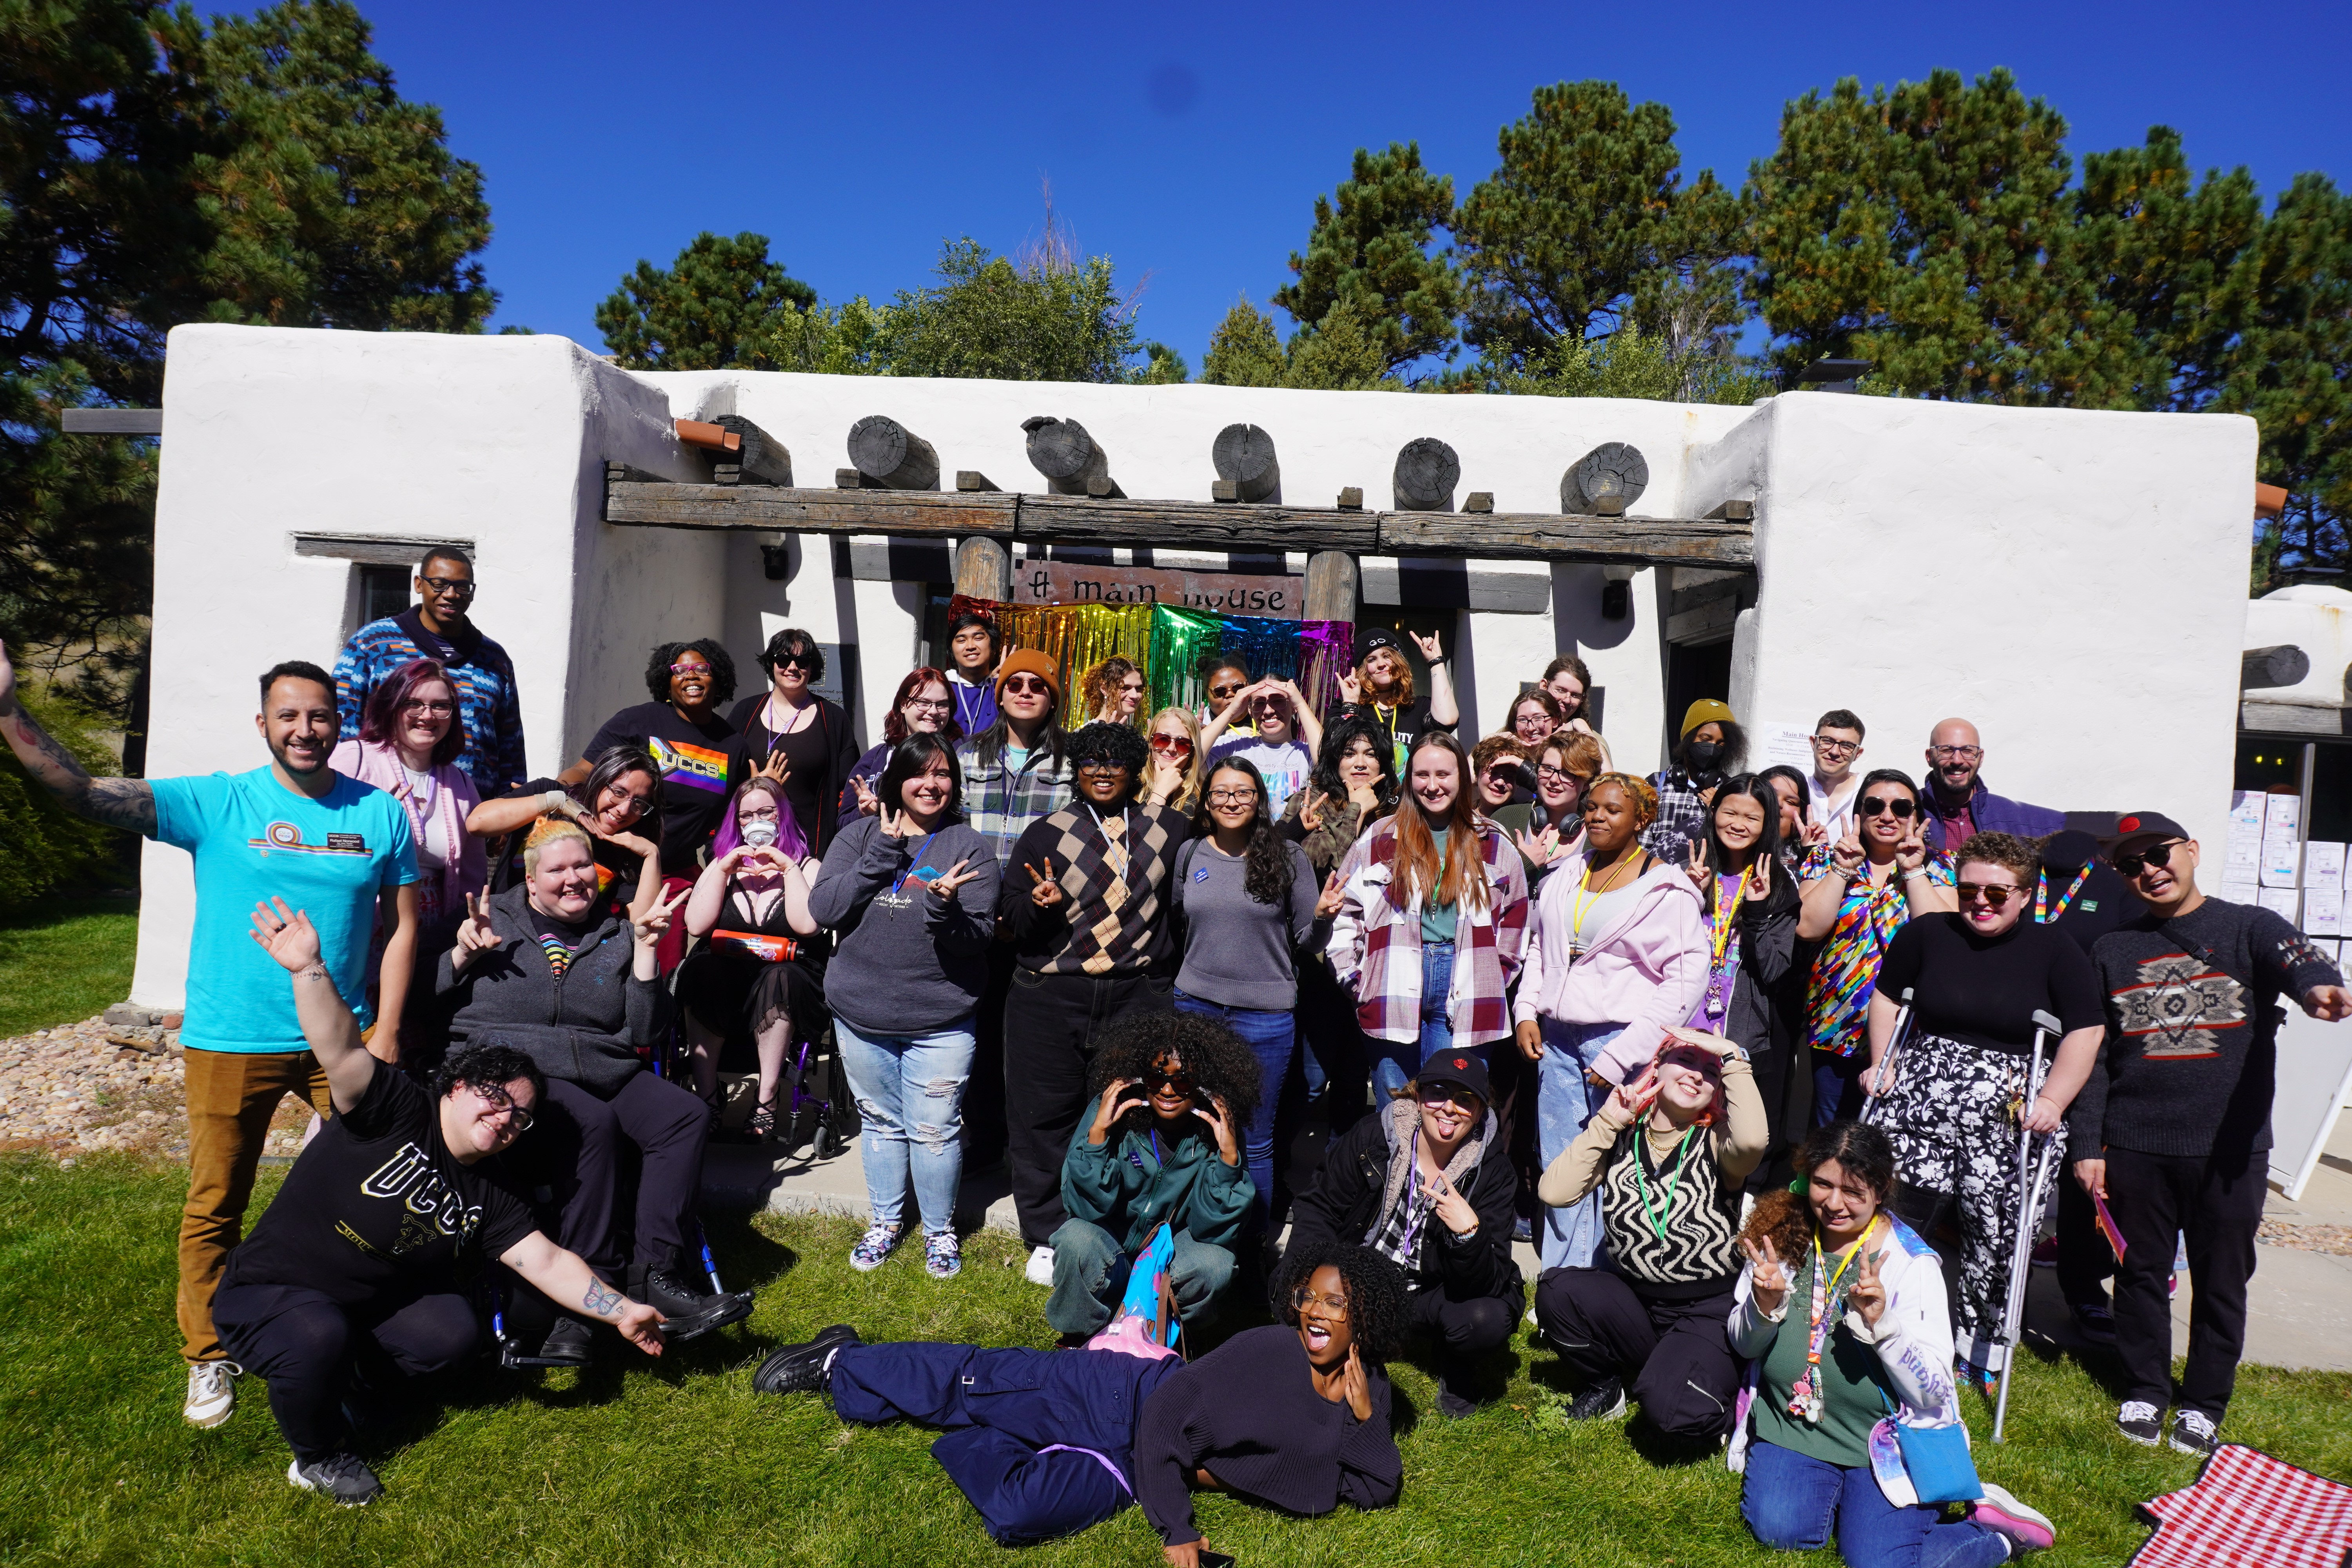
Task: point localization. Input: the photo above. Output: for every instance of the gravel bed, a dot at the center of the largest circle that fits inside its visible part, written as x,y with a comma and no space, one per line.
82,1088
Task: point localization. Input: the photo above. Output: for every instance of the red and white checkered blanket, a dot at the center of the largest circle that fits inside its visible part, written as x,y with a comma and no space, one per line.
2250,1510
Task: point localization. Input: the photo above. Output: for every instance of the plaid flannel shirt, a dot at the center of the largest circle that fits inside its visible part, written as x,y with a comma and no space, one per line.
1682,817
1376,941
1000,802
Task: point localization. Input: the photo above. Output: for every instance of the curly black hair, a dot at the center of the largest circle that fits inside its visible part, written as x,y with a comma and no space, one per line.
1268,874
1342,733
722,669
488,1066
1375,1289
1109,743
1216,1058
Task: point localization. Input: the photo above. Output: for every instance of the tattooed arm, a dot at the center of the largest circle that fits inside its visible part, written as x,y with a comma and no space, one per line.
561,1277
113,803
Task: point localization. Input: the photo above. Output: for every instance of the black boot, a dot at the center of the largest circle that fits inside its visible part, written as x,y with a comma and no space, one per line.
804,1369
691,1314
569,1341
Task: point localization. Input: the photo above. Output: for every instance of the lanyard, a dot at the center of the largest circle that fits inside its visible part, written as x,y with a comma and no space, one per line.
1659,1215
1805,1398
1578,905
1726,913
2041,894
1414,1222
915,865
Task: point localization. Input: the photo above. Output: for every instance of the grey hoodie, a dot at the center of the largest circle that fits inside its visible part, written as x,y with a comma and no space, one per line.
584,1025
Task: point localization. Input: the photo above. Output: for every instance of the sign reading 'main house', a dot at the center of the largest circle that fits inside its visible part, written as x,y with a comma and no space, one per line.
1215,593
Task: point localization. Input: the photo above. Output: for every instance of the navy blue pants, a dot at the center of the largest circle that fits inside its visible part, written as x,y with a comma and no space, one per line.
1002,1409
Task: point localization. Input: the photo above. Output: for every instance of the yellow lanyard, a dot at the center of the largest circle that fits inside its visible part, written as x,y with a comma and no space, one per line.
1578,905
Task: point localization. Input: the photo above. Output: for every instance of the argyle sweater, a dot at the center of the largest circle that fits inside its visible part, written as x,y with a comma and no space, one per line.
1083,934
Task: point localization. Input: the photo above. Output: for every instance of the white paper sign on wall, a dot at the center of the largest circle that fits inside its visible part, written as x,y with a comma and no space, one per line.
2315,1072
1778,746
2283,902
2322,865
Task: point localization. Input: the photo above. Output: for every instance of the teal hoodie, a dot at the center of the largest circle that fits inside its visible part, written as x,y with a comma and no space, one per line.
1131,1186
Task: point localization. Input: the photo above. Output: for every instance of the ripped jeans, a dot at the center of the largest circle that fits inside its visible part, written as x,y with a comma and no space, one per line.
909,1091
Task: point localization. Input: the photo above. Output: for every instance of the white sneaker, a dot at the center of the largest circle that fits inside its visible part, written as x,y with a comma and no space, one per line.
1041,1265
212,1392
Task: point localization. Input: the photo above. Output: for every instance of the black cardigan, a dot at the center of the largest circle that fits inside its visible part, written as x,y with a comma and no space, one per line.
1344,1204
747,752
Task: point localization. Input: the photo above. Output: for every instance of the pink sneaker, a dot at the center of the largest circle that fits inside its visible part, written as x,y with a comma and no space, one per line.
2004,1515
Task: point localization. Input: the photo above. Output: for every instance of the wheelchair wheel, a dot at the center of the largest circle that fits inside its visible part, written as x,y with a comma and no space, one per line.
829,1144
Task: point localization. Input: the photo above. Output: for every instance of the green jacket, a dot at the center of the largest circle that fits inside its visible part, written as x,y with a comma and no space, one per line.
1130,1187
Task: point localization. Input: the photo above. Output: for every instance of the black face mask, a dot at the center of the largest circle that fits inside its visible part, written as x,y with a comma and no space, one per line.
1701,756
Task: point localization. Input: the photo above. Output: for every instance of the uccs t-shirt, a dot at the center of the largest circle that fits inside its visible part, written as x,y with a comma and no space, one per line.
252,839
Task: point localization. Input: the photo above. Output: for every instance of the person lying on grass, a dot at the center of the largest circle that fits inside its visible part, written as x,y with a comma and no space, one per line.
1172,1092
1842,1314
1294,1415
347,1283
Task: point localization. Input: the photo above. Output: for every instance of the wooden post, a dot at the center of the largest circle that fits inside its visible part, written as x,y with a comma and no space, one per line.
1426,473
1073,462
983,568
1244,455
1332,586
893,456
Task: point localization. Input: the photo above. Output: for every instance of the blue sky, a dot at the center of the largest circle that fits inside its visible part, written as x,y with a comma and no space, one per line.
1188,143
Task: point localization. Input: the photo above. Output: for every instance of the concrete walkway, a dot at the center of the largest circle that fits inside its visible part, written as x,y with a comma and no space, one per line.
2300,1310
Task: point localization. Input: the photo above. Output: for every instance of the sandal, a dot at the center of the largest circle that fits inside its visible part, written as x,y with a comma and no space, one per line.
762,1127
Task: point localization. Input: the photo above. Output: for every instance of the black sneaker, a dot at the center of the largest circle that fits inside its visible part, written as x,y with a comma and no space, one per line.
805,1368
341,1477
569,1341
2194,1431
1453,1404
1603,1400
2141,1422
691,1314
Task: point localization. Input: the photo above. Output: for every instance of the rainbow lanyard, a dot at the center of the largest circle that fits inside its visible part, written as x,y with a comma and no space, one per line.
2041,894
1659,1215
915,865
1805,1400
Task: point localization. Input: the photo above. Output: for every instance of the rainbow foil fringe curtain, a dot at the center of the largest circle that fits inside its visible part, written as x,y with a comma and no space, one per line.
1174,646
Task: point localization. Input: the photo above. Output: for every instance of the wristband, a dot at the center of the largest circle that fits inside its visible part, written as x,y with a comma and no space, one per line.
554,800
1433,663
1915,871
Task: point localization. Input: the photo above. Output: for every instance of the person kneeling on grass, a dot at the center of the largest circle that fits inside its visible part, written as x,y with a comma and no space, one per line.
1667,1153
1840,1310
1294,1415
1172,1091
348,1283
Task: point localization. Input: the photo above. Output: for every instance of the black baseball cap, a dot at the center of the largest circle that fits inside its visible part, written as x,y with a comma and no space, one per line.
2134,824
1457,1069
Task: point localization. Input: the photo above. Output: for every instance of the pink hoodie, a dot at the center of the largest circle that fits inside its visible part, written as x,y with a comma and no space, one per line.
1646,971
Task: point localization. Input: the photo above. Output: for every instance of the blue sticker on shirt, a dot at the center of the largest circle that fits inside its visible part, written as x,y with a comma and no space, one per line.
1200,873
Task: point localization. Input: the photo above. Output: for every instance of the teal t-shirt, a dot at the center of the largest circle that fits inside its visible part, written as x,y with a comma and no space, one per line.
253,839
1437,921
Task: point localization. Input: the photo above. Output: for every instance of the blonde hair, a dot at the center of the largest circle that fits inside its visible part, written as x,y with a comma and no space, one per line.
1187,793
1638,790
549,830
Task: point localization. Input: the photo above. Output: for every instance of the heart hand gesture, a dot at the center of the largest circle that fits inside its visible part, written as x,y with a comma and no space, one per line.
1767,1277
1867,1294
1045,888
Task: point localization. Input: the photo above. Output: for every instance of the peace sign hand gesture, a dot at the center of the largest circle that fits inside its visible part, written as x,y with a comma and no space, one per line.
1310,810
1332,897
1847,854
1911,849
1694,865
1867,1296
1452,1210
649,929
1045,890
944,885
475,936
1759,878
1541,848
868,803
1768,1279
1629,1102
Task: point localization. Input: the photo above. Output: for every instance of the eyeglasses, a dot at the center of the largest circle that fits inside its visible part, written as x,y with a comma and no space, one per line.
757,815
1957,753
1995,894
1232,798
447,588
1026,685
1333,1306
689,670
438,709
1176,744
1555,774
1101,765
1827,747
495,1097
928,705
1902,810
2154,858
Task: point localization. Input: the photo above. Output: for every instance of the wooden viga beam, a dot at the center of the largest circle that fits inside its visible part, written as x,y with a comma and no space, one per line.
1176,524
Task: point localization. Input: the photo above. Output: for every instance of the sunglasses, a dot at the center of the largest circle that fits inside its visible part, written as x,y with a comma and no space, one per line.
2153,858
1026,685
1902,810
1176,744
1101,765
448,588
1993,894
807,666
1224,693
1181,1081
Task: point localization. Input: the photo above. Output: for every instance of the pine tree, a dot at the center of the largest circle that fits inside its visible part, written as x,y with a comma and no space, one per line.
1370,247
1244,350
722,305
1052,317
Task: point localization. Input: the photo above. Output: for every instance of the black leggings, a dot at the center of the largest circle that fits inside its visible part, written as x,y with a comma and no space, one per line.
1675,1356
309,1348
573,1159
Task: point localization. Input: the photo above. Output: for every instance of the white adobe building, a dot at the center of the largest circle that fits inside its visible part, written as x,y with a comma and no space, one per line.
2072,581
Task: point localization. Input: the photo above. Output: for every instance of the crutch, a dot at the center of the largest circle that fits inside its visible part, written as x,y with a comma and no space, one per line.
1885,1073
2032,1191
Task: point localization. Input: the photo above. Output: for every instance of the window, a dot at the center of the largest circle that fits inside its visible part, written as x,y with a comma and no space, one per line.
383,591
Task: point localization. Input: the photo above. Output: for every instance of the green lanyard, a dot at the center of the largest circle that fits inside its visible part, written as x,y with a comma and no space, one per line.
1658,1216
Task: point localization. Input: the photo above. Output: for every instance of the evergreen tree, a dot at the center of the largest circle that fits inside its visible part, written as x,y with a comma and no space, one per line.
1244,350
1369,248
1586,211
1163,366
722,305
1052,318
1343,353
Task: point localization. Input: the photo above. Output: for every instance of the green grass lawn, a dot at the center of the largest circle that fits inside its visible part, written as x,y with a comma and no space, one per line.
641,1462
65,960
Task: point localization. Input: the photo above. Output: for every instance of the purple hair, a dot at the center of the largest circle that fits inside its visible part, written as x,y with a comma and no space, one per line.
381,722
789,837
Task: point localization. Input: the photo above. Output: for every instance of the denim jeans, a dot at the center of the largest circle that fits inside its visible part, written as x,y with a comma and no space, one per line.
1565,1100
1837,1086
1269,1036
1398,1060
909,1090
1793,1502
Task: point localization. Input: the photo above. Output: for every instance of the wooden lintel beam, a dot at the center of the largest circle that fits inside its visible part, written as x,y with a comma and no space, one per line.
1199,525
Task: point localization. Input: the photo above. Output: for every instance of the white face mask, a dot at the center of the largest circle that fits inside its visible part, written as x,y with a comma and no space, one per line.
759,835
